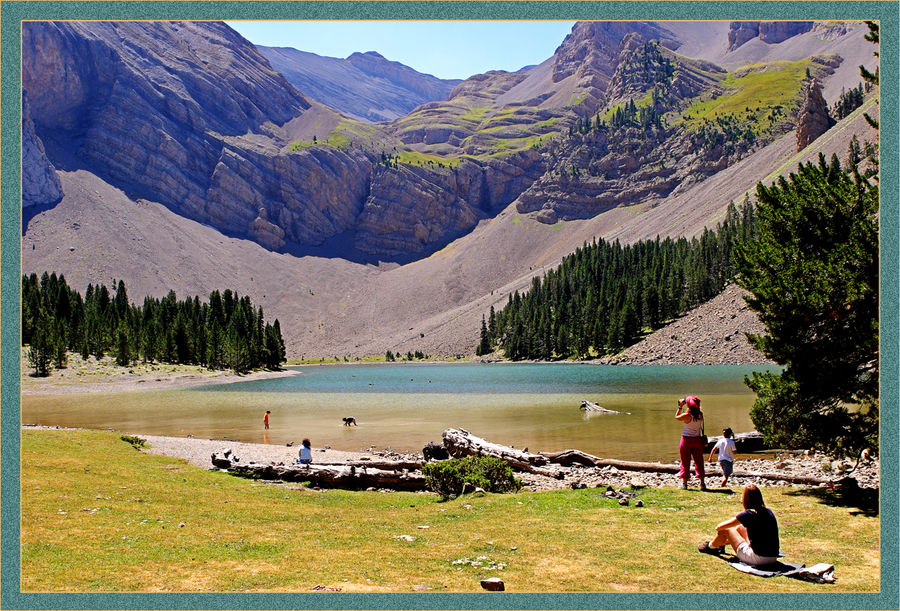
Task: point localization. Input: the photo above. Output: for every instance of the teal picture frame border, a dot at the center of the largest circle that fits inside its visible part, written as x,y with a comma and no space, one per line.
12,13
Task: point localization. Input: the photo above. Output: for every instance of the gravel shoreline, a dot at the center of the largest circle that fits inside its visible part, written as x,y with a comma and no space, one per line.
198,451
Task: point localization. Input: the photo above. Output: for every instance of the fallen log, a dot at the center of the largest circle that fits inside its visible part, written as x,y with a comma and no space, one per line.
460,442
570,457
345,477
388,465
590,406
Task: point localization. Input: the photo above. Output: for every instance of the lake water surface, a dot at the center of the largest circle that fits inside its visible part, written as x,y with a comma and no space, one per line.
404,406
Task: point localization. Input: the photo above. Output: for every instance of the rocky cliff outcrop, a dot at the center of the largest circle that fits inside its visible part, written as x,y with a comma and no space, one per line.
813,119
150,106
40,184
412,209
770,32
592,46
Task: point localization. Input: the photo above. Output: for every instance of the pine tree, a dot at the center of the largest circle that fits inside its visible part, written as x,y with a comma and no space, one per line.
123,346
484,346
40,351
813,276
872,79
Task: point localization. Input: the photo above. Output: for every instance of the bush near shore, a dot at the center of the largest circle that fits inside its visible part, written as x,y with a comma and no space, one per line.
97,516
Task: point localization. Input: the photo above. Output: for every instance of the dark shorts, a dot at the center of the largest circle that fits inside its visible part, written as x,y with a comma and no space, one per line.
304,461
727,466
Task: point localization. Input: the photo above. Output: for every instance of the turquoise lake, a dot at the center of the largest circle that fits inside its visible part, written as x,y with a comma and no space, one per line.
404,406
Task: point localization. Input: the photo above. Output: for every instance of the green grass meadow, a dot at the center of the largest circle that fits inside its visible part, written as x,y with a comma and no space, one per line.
100,516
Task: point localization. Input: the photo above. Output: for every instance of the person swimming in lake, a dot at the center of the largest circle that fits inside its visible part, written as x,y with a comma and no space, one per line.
266,420
305,454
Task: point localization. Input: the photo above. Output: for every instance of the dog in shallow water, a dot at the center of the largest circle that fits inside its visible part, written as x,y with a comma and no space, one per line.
350,421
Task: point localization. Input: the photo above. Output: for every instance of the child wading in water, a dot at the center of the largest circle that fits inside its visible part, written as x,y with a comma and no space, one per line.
726,449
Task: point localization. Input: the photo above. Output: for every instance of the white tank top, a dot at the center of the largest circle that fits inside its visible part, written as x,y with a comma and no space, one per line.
692,428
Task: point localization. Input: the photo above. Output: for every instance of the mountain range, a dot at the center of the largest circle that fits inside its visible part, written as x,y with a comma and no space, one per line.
370,207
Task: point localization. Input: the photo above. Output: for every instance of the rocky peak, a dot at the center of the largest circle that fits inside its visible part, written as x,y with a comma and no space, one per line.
592,46
813,119
425,85
770,32
643,65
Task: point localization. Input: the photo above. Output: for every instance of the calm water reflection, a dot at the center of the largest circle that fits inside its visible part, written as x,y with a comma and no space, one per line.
404,406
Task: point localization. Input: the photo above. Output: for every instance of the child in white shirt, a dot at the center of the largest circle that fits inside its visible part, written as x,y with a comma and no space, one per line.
726,449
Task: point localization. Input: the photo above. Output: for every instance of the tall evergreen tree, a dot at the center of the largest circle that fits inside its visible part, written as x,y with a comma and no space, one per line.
813,276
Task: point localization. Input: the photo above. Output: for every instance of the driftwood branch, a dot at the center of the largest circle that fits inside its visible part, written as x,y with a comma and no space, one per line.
346,477
589,406
463,443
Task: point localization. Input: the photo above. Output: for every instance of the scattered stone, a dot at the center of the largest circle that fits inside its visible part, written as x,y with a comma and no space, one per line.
420,588
405,537
181,525
493,584
623,502
637,483
320,588
468,488
639,503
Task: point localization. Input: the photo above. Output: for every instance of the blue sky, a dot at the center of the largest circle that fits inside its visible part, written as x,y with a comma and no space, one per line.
446,49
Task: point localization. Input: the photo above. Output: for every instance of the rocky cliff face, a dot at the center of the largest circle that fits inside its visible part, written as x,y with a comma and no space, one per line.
40,184
191,115
813,119
770,32
156,107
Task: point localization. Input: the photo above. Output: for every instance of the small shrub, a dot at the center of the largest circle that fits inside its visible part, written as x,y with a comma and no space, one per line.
136,442
492,474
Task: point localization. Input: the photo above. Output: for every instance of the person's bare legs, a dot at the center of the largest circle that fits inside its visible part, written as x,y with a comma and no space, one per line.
730,536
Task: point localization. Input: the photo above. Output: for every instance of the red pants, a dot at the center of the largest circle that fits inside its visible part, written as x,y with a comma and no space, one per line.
691,447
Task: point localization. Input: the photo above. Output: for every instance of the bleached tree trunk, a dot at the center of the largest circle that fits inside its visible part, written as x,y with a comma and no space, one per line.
463,443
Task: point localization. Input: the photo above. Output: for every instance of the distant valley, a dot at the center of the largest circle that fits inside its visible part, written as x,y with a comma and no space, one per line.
370,207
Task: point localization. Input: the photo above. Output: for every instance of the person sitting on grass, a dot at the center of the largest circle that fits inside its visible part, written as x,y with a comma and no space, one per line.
753,533
726,449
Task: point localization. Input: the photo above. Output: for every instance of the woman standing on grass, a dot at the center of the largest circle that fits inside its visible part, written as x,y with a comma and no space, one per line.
753,533
691,446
